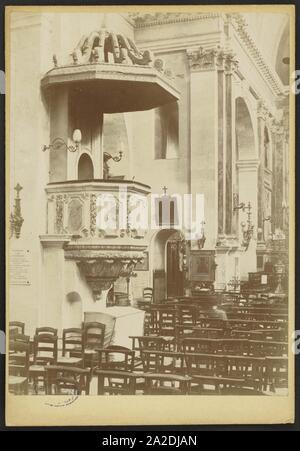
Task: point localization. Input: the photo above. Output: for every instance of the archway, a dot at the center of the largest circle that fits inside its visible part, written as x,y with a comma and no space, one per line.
167,255
246,181
85,167
245,142
73,311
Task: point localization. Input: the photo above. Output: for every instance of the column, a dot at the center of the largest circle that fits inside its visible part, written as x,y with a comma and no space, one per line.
278,139
230,65
262,114
204,136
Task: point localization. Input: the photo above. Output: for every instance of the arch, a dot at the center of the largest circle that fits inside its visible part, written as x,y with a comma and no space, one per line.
85,167
73,310
245,138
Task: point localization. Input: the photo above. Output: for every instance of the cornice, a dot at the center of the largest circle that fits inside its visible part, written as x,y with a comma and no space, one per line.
239,24
154,19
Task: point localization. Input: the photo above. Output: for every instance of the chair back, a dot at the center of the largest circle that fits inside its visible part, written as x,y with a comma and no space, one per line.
45,349
148,294
19,352
72,341
162,362
16,327
21,337
116,358
166,322
112,382
166,384
67,380
46,330
93,335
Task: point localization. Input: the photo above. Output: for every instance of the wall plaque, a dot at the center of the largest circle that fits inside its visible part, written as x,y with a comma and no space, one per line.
20,265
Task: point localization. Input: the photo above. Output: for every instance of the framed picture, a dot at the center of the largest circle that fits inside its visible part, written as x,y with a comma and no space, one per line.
202,265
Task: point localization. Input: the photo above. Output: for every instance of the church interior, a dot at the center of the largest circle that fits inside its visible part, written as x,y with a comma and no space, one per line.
117,123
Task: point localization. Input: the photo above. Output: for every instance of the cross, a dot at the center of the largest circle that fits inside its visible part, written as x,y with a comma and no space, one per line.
165,190
18,188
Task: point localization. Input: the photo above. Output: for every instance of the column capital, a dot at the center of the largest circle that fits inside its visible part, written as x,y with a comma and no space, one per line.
262,110
211,59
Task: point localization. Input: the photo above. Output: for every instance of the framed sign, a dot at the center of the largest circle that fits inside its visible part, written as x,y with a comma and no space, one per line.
202,265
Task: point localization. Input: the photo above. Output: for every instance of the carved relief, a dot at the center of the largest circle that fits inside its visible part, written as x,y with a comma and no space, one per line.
59,223
93,214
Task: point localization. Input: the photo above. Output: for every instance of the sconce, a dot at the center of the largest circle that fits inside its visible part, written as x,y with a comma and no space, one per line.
16,220
58,142
236,204
106,157
247,228
202,240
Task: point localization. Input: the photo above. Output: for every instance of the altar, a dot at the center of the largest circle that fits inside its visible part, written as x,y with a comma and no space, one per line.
120,324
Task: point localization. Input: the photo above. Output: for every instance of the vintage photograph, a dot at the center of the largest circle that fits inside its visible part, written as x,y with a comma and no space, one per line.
149,180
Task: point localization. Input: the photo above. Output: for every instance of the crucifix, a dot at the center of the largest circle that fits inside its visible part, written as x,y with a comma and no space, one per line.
165,189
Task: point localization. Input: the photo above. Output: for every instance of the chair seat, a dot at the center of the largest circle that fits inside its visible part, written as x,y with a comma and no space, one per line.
38,369
90,351
69,361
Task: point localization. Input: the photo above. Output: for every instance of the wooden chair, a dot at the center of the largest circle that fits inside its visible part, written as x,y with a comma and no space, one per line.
199,345
44,353
111,382
147,298
276,373
93,339
116,358
263,348
16,327
147,342
244,372
186,315
206,371
18,367
166,384
67,380
162,362
72,348
166,323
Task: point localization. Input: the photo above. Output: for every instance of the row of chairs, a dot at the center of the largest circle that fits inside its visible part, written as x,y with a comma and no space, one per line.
173,373
29,359
225,346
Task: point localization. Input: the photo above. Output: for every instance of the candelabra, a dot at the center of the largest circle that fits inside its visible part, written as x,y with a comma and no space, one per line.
16,220
247,228
235,283
106,157
202,240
